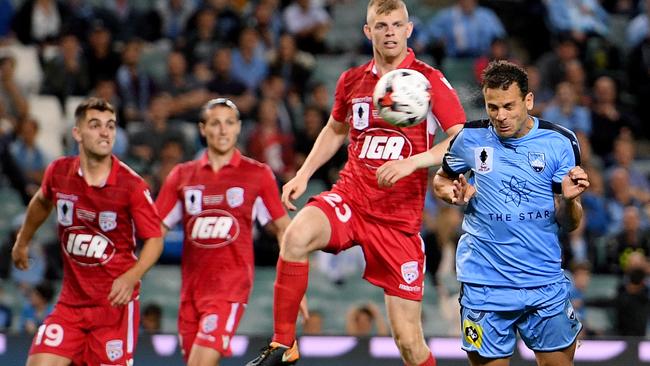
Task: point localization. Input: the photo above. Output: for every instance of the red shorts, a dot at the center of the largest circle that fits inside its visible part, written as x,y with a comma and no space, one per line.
394,259
90,335
209,324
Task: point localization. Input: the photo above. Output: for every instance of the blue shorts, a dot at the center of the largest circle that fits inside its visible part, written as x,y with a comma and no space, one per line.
543,316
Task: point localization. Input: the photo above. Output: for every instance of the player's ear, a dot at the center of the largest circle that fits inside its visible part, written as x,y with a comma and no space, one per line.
529,99
75,134
202,128
409,29
366,31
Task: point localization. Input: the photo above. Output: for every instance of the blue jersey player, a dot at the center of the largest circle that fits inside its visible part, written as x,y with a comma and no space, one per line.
525,184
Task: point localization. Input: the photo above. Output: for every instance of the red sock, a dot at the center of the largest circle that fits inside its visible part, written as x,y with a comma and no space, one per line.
290,287
429,362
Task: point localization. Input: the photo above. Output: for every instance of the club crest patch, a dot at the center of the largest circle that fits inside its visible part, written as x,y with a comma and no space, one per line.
209,323
64,209
235,196
410,271
360,114
193,201
537,161
483,159
107,220
114,349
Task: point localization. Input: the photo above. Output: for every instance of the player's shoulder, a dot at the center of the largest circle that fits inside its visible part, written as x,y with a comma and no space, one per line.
554,130
424,68
127,174
249,164
477,124
355,73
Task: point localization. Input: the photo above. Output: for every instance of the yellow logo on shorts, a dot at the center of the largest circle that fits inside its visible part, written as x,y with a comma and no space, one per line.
473,333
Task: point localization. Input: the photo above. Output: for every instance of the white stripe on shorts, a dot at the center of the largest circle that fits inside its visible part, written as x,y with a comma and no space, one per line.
129,329
230,323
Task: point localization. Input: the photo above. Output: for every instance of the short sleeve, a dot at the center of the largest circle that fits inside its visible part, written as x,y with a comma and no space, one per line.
144,213
568,157
445,106
46,183
454,163
268,205
168,202
340,108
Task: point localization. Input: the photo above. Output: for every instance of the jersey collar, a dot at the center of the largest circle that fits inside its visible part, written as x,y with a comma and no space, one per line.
405,64
112,176
234,161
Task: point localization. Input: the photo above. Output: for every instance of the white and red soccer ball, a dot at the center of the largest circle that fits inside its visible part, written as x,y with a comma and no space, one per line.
402,97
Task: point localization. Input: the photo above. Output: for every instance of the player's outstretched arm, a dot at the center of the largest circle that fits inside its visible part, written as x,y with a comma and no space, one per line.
37,212
329,141
456,191
567,205
392,171
122,288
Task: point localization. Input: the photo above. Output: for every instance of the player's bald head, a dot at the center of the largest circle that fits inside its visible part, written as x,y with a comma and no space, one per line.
384,7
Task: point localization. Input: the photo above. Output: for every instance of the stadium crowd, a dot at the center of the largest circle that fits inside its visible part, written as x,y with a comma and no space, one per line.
159,61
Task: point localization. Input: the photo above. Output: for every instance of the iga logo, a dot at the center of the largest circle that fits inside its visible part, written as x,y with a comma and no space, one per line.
212,229
377,145
87,249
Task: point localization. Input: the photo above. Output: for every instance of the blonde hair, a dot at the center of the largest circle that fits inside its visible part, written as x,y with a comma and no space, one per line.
386,6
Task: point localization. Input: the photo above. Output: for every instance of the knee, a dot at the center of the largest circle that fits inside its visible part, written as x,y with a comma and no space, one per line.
412,347
295,246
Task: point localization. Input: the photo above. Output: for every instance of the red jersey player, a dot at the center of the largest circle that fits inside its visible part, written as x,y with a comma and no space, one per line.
371,205
101,205
217,198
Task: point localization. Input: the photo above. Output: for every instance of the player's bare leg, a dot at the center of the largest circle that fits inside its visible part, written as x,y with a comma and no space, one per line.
47,359
558,358
309,231
203,356
476,360
405,318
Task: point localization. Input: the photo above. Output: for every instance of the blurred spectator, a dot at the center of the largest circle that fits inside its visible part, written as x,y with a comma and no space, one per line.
319,96
274,88
340,267
314,120
366,320
308,22
565,111
268,144
294,66
26,153
609,119
10,170
574,74
624,154
595,217
228,21
67,73
620,196
225,84
632,239
6,15
6,315
543,95
623,7
126,21
134,85
314,324
11,97
639,28
39,307
581,273
638,74
248,61
172,152
100,57
580,18
552,64
499,50
632,305
267,20
39,21
107,90
202,39
152,318
465,29
174,15
188,95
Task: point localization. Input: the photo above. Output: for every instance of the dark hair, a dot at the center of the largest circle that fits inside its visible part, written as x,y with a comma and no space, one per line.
97,104
152,309
46,291
501,74
225,102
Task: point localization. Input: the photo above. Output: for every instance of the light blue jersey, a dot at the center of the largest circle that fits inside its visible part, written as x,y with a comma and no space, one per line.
511,233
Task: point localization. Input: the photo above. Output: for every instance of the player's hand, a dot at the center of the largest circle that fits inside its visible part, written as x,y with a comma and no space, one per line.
304,309
462,191
292,190
122,289
391,171
20,256
574,183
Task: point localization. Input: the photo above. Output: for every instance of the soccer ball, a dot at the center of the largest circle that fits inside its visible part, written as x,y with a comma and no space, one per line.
402,97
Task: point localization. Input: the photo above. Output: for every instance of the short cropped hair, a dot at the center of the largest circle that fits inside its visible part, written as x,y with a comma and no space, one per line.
386,6
93,103
501,74
225,102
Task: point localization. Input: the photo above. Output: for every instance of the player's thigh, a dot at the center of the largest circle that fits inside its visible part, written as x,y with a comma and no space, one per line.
60,336
114,333
488,335
203,356
47,359
310,230
405,317
477,360
557,358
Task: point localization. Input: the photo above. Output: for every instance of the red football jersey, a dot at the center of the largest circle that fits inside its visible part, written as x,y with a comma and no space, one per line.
97,227
218,209
374,141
